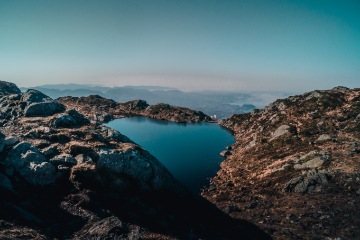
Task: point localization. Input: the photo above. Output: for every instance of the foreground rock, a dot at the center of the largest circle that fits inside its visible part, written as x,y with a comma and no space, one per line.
103,110
65,177
7,88
295,167
29,163
43,109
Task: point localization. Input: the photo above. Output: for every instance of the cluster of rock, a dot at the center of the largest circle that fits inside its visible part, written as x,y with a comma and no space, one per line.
295,166
32,103
101,109
64,175
44,145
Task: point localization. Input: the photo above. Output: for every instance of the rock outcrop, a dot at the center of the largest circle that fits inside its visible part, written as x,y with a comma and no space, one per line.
42,124
29,163
295,167
101,109
43,109
63,176
7,88
32,95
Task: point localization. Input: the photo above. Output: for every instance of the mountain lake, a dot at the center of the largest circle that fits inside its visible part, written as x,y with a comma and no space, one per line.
191,152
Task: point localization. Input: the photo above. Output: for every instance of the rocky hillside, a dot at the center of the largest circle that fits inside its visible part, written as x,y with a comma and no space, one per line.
102,110
63,176
295,167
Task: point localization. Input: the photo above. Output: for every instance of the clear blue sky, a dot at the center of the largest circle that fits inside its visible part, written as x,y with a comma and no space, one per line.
240,45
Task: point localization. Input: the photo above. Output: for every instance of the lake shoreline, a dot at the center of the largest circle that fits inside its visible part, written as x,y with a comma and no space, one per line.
189,144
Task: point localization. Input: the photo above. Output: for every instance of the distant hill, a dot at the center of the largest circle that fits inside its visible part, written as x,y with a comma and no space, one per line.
151,88
221,104
74,86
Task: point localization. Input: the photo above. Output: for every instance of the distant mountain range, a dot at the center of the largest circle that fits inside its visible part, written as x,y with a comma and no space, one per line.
221,104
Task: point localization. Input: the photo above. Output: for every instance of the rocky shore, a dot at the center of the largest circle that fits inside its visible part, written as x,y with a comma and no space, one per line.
102,109
63,175
295,167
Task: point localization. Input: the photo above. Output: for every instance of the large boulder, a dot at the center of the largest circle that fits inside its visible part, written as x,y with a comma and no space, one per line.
31,164
313,163
127,162
108,228
137,104
65,121
7,88
63,159
283,129
44,109
312,181
226,153
314,159
103,117
114,134
323,137
127,169
80,119
33,95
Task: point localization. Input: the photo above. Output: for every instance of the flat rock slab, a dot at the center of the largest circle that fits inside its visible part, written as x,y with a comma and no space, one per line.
313,163
44,109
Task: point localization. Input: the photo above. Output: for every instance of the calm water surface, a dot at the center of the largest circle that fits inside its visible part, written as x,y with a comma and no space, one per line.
190,152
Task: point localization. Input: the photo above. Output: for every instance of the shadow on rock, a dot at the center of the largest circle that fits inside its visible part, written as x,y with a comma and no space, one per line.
39,210
185,217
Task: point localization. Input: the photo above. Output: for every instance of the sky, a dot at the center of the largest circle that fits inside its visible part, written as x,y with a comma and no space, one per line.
233,45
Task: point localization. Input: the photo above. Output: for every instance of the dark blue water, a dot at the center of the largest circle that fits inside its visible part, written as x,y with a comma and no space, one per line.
190,152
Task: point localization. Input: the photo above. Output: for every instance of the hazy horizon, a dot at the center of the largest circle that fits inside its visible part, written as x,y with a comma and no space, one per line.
211,45
189,90
72,85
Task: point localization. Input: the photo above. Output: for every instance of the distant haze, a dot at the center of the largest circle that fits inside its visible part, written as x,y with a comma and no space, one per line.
192,45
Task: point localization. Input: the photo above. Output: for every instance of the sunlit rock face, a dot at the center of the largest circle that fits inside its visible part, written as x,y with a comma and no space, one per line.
296,157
